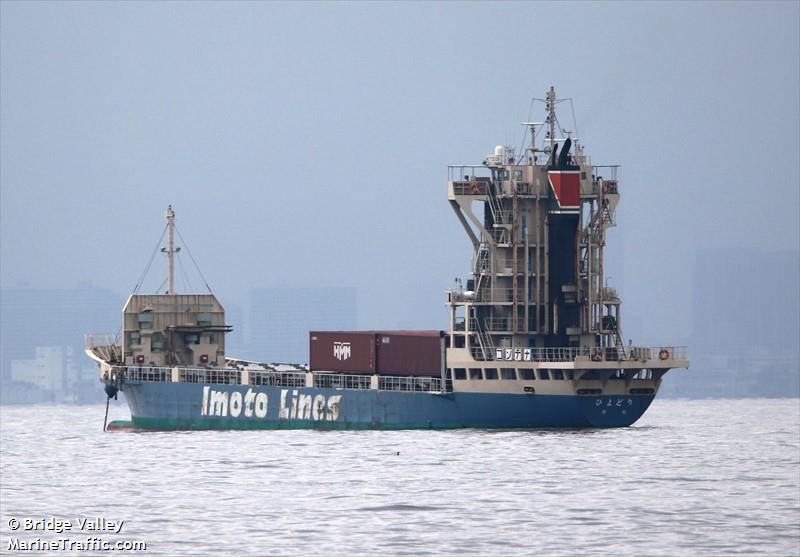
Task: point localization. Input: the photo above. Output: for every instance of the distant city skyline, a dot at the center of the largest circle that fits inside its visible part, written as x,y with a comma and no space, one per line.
307,145
743,331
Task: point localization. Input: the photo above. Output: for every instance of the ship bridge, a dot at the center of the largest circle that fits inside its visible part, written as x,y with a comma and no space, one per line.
537,222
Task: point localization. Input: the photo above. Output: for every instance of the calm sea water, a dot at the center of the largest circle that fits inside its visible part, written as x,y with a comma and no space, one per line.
717,477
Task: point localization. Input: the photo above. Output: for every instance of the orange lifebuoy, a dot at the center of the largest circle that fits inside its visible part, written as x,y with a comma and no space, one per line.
663,354
597,355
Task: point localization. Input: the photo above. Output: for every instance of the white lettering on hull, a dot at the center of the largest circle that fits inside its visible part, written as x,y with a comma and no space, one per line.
262,405
236,404
293,405
218,404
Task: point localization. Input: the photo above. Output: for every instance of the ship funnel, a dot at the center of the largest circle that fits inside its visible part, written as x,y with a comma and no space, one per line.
551,164
563,158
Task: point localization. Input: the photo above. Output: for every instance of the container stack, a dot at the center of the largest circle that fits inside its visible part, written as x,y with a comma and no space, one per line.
417,353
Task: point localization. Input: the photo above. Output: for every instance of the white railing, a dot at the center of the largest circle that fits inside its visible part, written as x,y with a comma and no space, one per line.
342,381
142,373
272,378
278,378
218,376
660,352
461,172
471,187
499,235
396,383
503,217
100,340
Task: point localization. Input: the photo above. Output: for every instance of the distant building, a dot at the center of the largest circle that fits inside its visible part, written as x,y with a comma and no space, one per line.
43,326
280,318
45,371
745,326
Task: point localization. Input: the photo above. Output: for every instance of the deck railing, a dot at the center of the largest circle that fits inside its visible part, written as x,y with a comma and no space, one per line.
395,383
271,378
98,340
342,381
472,187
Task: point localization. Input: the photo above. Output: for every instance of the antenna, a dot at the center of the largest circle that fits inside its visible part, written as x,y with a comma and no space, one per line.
532,149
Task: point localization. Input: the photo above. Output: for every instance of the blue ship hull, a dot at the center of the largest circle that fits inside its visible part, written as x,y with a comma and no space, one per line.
187,406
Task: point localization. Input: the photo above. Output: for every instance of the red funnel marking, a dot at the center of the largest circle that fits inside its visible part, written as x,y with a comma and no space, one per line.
566,186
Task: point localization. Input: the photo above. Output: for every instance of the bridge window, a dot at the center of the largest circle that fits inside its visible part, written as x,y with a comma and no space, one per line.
475,373
544,374
526,374
460,341
508,373
145,320
460,373
569,374
558,374
491,373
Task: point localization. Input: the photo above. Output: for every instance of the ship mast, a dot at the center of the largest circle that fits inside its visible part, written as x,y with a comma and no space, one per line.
170,250
551,117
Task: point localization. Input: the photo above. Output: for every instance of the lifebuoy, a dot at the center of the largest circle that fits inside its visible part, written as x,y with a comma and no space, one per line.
597,355
204,359
663,354
140,359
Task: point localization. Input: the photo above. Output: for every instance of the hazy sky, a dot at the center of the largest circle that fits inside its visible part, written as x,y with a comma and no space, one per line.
306,144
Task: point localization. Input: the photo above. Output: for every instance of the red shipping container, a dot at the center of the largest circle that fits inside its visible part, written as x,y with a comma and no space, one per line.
383,352
409,352
344,351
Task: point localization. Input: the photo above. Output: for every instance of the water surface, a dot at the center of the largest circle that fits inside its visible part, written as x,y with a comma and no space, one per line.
717,477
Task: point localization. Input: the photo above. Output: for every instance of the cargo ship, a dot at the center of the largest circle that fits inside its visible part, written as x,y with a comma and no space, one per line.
534,337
